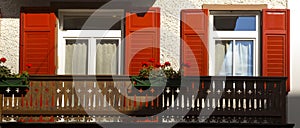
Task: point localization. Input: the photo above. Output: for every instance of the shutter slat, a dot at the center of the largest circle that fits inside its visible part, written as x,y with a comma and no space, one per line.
142,39
37,42
276,43
194,35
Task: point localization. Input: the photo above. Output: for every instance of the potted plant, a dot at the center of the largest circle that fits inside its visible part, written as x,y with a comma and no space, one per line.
11,83
157,75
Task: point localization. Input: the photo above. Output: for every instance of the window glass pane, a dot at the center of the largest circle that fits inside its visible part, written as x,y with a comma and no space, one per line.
243,58
94,23
76,56
223,57
235,23
107,56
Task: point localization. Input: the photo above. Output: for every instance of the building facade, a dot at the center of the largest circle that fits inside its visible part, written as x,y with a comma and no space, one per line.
216,37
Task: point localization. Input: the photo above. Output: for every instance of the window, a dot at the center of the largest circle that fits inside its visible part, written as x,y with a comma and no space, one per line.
89,42
234,43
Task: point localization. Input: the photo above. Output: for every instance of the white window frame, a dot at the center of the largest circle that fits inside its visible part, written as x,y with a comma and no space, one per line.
234,35
90,35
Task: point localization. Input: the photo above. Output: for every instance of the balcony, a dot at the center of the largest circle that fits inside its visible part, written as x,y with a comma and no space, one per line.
111,101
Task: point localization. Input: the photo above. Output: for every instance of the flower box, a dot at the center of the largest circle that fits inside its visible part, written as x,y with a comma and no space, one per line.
154,86
12,84
138,82
16,86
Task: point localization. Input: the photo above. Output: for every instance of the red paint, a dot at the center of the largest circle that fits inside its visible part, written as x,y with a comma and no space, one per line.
41,119
193,85
30,119
129,103
134,103
152,103
41,100
51,119
124,102
142,39
52,101
194,43
276,43
146,100
37,41
141,103
157,102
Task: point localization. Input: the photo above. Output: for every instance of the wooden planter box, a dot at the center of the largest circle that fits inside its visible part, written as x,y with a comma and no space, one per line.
16,86
141,87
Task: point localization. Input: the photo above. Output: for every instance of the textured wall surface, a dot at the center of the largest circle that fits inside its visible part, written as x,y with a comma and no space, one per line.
9,42
170,21
170,24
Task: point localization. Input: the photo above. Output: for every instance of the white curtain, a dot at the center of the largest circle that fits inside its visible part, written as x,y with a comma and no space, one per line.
224,58
243,58
76,57
106,58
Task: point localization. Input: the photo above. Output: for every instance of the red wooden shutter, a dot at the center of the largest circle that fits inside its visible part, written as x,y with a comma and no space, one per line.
142,39
276,43
194,35
37,41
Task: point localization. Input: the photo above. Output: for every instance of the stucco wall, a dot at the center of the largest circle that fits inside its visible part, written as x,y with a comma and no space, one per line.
294,95
295,45
9,42
170,21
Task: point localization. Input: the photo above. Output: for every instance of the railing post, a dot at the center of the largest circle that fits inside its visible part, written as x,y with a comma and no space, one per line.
283,95
1,101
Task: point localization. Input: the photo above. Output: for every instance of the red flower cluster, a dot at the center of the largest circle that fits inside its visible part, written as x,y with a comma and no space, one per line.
167,63
145,64
28,65
3,60
157,65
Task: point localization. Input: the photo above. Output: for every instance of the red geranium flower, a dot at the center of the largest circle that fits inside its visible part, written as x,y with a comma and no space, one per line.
152,60
144,64
28,65
3,59
167,63
157,65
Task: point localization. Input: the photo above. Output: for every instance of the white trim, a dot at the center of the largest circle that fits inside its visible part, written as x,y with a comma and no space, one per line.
90,35
211,47
234,35
92,56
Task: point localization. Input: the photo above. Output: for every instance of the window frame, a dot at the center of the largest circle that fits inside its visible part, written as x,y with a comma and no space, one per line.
238,35
92,36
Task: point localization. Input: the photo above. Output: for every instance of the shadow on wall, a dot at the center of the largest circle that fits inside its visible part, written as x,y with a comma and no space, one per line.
294,110
11,8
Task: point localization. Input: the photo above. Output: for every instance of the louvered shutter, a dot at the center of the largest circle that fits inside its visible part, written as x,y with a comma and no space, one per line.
275,48
142,39
37,41
194,44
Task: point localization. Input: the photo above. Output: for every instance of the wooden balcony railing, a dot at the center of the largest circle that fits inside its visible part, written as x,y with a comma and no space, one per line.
258,100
